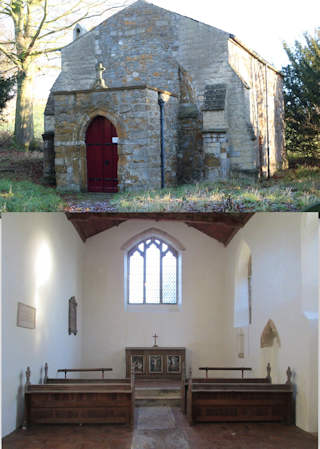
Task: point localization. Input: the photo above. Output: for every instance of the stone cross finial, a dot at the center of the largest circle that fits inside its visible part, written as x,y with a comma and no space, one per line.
28,375
155,336
100,83
45,372
289,375
269,372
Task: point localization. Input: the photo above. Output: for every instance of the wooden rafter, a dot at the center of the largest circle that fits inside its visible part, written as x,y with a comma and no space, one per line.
222,227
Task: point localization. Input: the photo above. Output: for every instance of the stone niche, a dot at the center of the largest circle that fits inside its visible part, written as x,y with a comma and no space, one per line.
214,133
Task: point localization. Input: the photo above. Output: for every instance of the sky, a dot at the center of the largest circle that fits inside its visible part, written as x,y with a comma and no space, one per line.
262,26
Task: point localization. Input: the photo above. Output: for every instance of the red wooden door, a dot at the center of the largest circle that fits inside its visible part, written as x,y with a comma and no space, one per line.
102,156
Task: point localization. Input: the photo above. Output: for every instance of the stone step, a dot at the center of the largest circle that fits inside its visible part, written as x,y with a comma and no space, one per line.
143,393
149,395
157,396
158,402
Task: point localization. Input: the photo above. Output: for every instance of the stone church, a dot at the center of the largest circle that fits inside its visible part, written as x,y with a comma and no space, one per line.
238,290
151,98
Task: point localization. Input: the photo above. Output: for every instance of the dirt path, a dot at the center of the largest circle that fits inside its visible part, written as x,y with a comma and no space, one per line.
88,202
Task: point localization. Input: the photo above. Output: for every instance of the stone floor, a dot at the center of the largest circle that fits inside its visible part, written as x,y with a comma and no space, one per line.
162,428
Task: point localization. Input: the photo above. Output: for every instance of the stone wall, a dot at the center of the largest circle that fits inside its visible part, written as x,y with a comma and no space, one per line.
135,114
138,45
256,111
144,45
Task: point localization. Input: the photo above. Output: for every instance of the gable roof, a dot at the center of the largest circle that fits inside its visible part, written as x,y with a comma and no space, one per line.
143,3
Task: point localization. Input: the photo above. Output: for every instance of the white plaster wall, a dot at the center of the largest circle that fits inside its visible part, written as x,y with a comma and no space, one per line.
198,324
285,262
42,267
241,296
44,263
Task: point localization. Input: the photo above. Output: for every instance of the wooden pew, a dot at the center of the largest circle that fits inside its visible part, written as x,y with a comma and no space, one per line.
64,380
242,369
79,403
242,379
239,400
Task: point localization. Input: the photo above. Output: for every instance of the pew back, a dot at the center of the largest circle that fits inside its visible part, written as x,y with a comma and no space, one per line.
73,402
218,400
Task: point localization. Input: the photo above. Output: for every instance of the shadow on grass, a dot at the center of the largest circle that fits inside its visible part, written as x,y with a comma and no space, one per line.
25,196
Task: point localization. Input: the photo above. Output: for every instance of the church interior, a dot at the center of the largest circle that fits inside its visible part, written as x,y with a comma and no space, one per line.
145,300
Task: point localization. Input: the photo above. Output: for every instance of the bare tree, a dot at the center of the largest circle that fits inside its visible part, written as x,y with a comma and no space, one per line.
35,28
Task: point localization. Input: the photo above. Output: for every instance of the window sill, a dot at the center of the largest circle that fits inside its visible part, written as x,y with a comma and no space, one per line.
153,308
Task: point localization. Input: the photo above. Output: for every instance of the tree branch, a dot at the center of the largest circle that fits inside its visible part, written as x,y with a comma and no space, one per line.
67,27
65,13
13,58
36,35
45,51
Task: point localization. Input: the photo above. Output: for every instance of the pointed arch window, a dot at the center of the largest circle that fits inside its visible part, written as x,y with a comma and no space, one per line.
152,268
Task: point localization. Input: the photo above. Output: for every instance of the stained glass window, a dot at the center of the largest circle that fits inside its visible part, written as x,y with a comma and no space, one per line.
152,273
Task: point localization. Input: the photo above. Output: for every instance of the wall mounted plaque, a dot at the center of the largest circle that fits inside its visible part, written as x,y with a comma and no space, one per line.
26,316
73,316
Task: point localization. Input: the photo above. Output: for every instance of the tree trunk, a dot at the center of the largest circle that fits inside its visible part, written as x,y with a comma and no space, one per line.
23,131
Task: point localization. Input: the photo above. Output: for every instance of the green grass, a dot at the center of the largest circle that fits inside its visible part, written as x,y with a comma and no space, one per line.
25,196
291,190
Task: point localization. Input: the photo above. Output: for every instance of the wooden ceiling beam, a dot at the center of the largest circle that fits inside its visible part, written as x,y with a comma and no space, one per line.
222,227
225,219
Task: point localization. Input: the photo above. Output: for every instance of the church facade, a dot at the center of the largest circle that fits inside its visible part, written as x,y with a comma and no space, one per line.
150,97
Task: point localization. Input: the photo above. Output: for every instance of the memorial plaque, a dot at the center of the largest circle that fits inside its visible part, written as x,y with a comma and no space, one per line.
73,316
26,316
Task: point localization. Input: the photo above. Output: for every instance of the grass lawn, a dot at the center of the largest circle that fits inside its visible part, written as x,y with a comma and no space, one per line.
290,190
21,190
26,196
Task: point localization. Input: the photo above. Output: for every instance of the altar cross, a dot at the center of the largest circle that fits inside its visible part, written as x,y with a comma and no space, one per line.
155,336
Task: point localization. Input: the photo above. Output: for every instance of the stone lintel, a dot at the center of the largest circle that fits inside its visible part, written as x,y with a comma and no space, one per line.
115,89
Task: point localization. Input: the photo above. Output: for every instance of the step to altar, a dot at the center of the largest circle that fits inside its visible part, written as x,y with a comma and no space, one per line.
157,394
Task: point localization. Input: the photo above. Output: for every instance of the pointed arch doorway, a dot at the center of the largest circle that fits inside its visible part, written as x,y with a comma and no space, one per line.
102,156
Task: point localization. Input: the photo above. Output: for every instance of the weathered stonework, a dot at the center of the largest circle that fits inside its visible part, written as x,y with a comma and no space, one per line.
219,99
131,111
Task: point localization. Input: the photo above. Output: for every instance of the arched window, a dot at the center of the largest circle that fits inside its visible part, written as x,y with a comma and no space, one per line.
250,289
243,289
152,272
